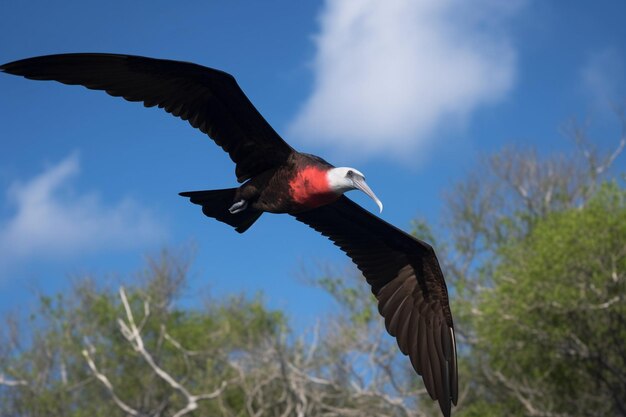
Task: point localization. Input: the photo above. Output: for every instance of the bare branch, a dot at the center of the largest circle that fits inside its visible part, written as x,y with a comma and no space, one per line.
133,334
12,382
105,381
526,400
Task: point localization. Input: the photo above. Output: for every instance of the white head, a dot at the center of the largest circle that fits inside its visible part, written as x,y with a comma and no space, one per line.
344,179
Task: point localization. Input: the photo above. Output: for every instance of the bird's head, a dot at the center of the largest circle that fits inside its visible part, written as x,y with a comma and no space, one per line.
344,179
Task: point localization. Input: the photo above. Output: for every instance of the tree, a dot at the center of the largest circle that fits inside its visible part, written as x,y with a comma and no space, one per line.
135,352
536,261
554,324
99,352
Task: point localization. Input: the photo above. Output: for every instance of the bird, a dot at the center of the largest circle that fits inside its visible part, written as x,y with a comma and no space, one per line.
403,271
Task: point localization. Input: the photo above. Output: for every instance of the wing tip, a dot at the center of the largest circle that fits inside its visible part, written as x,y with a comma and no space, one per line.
450,380
7,67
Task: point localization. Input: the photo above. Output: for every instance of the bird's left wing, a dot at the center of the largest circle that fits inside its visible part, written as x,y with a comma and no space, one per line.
407,281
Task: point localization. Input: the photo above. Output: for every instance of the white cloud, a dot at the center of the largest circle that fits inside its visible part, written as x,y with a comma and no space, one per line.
389,73
50,222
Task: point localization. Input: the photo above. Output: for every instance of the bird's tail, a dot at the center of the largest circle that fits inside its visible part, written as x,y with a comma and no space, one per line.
215,203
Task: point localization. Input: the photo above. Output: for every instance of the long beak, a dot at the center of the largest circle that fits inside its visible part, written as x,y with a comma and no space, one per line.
362,185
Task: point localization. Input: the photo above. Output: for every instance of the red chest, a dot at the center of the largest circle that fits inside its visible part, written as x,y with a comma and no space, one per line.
309,188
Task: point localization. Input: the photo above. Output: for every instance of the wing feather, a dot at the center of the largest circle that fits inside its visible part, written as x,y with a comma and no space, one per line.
404,333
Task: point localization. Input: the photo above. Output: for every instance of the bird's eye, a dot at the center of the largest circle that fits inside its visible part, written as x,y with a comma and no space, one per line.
350,173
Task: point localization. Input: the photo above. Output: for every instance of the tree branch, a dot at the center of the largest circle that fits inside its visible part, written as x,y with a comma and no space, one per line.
105,381
12,382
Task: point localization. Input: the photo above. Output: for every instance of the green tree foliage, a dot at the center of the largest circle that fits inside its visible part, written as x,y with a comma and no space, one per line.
553,326
45,363
534,248
140,352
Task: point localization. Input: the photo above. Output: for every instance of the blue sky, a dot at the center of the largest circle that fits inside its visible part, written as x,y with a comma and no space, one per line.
409,92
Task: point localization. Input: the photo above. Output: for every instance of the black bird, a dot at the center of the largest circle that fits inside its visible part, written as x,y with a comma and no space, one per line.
403,271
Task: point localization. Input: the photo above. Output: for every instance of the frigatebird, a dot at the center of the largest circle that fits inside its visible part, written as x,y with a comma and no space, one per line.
403,271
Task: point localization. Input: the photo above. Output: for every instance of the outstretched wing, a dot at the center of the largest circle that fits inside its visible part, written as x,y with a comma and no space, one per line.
209,99
407,281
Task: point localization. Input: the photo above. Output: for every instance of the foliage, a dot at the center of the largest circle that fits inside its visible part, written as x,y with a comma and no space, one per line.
555,319
536,259
50,368
98,352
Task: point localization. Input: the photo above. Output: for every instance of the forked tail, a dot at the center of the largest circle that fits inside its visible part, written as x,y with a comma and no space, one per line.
215,203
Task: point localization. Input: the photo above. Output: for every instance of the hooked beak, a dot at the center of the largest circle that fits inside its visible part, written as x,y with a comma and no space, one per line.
362,185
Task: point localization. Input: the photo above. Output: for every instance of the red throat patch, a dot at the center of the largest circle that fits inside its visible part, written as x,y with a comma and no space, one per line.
309,188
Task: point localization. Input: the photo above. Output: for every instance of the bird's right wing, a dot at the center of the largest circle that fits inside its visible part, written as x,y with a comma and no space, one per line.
407,281
209,99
